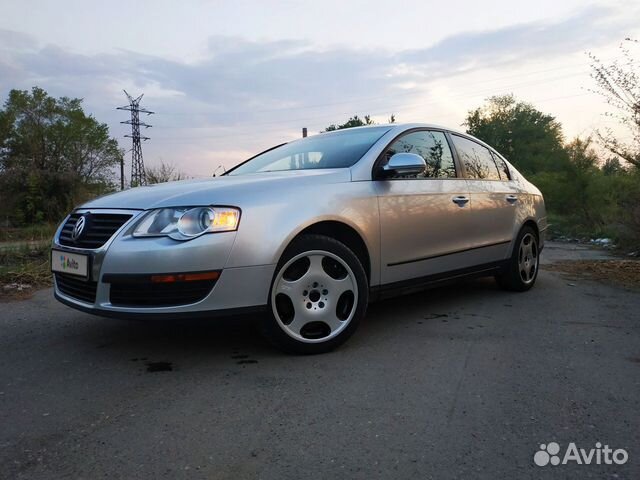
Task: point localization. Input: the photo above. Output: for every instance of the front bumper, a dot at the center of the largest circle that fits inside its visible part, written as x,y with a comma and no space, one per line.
237,289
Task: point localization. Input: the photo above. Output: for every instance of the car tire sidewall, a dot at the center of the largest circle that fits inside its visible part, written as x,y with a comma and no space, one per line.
510,279
270,326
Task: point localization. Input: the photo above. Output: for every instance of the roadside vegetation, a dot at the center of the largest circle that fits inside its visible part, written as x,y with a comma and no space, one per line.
24,259
52,157
23,269
164,172
38,233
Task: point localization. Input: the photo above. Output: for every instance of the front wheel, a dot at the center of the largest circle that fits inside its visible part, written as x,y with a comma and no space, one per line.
318,296
522,270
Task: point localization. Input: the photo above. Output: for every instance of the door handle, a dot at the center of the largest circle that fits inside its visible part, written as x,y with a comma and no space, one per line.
460,200
511,198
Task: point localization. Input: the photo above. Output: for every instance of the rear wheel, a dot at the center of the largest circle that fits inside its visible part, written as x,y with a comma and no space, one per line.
521,272
318,295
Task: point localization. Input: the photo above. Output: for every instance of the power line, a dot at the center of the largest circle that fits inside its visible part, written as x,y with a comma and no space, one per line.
138,175
409,93
289,123
490,91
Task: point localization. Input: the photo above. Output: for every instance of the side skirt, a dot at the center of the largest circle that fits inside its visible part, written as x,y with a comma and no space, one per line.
413,285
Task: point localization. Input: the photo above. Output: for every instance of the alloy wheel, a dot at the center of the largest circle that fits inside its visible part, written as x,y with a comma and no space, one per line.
314,296
528,258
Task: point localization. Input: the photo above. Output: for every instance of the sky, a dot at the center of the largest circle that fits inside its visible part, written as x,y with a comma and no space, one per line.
229,79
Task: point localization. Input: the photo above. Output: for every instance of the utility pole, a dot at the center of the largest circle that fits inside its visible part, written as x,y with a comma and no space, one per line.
122,172
305,156
138,176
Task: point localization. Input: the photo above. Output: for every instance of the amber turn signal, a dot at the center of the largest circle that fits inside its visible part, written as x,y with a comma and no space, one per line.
185,277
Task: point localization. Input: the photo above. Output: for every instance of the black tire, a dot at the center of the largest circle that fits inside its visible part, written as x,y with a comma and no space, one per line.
513,277
275,332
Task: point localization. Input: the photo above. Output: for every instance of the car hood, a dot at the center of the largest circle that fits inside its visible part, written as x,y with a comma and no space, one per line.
225,190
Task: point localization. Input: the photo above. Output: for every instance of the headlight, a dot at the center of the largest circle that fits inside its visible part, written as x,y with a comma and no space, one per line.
187,223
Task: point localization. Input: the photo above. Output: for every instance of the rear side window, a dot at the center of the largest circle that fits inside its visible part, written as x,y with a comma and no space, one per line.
477,160
430,145
502,167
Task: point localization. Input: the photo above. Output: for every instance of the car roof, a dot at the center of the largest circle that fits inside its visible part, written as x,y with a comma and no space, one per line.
400,127
395,129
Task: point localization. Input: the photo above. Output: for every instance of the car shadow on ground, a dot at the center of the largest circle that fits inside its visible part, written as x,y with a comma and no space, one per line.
238,337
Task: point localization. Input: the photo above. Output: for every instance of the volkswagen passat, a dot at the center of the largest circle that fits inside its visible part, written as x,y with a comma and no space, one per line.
309,232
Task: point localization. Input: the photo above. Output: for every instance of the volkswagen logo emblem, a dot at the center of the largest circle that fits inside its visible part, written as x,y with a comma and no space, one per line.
78,228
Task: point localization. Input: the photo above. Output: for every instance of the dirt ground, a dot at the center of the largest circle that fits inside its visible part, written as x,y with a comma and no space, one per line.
625,273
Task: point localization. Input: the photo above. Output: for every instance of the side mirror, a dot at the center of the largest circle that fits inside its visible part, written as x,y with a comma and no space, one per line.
404,164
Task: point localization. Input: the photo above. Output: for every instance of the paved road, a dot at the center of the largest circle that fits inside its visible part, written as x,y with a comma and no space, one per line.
460,382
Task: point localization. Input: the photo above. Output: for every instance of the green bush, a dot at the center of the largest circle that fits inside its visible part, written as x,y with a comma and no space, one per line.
590,204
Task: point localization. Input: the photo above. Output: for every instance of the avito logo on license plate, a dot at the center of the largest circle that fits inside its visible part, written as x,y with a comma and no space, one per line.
72,263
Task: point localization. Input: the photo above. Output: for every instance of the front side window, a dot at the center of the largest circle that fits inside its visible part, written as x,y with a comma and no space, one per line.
340,149
430,145
477,160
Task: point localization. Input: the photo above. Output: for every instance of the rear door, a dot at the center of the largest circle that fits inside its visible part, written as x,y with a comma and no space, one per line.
493,196
424,218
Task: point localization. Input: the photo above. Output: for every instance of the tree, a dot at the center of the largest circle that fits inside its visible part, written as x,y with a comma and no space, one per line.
619,84
165,172
51,155
528,138
581,154
354,121
612,166
583,168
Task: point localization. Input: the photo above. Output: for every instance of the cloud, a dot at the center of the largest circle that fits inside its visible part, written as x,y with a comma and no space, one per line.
519,43
237,82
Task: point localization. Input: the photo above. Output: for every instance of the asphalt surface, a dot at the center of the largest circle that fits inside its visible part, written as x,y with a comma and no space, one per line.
464,381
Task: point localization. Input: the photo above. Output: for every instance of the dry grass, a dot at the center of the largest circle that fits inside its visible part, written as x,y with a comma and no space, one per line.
41,232
23,270
620,272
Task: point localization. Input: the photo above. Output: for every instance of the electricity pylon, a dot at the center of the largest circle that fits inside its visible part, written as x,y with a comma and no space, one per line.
138,176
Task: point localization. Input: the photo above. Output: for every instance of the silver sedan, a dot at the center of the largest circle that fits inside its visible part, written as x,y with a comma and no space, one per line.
308,232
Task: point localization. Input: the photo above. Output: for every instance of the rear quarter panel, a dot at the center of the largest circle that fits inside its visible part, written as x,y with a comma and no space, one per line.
531,206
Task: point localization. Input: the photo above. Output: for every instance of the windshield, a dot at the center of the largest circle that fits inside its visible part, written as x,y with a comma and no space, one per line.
328,150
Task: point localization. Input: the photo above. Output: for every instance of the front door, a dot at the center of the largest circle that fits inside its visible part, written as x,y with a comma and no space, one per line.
424,218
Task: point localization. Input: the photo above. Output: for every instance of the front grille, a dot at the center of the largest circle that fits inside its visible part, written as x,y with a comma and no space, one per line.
147,294
99,228
76,287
